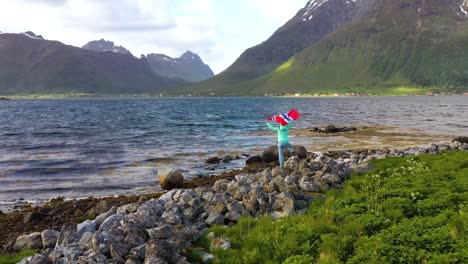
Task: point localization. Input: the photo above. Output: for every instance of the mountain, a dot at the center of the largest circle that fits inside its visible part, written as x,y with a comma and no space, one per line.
188,67
104,45
31,65
398,43
317,19
371,46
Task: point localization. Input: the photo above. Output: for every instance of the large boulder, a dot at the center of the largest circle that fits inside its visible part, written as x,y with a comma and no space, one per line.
270,154
461,140
49,238
31,241
171,179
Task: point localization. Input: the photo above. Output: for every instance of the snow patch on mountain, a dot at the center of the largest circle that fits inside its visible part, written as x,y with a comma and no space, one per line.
463,6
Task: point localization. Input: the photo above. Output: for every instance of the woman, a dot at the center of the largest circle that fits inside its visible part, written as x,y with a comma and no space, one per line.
283,140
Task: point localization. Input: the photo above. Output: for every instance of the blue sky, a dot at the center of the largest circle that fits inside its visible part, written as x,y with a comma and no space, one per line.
218,30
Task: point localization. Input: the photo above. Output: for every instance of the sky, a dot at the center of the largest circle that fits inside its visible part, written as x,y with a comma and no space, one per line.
218,30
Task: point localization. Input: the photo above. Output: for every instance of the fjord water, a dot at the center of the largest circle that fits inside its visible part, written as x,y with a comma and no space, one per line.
93,147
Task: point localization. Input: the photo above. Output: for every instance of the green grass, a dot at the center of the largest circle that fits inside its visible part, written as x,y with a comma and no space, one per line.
15,258
408,210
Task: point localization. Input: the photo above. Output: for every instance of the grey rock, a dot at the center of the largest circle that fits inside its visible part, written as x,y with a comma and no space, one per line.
119,250
103,206
173,215
215,219
220,185
135,234
85,241
86,226
363,168
31,241
40,259
161,250
150,211
128,208
161,232
49,238
171,179
111,222
67,235
100,219
292,163
133,261
138,252
284,205
100,243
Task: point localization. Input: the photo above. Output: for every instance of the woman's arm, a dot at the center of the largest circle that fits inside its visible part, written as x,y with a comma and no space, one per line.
272,127
289,125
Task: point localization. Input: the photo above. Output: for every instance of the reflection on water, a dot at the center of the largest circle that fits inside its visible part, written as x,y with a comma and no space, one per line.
86,147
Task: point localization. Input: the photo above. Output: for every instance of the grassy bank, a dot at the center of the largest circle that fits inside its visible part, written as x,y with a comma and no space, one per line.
408,210
15,258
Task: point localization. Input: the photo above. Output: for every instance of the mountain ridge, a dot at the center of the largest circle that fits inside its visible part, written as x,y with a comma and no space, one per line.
30,65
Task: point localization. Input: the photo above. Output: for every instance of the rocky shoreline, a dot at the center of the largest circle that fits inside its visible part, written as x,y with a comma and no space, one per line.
161,229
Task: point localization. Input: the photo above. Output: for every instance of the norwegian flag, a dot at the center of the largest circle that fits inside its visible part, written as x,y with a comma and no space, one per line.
284,119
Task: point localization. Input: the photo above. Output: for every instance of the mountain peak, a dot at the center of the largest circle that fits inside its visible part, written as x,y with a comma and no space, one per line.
190,56
105,45
32,35
189,66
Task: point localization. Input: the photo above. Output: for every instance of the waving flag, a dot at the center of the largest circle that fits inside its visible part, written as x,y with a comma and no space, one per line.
284,119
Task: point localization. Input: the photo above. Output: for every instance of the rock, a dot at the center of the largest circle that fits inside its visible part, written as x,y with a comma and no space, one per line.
171,179
111,222
138,252
85,241
292,163
173,215
333,129
161,251
220,185
102,207
128,208
40,259
461,140
100,219
363,167
31,241
133,261
149,211
86,226
222,243
253,160
1,212
67,235
49,238
206,257
270,154
161,232
100,243
284,205
33,217
119,250
215,219
213,160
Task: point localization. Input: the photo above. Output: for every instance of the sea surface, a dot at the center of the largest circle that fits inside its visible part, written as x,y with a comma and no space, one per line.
98,147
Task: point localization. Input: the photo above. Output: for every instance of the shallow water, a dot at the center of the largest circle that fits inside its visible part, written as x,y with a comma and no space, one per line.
83,147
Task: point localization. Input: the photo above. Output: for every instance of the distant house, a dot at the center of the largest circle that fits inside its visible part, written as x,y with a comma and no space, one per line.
465,93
